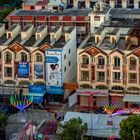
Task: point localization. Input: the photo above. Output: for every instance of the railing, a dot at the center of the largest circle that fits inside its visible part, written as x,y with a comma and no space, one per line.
84,65
84,79
116,67
132,68
100,66
116,81
133,81
8,62
101,80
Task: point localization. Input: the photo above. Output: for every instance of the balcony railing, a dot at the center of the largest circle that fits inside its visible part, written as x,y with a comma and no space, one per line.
100,66
84,65
8,62
133,81
101,80
116,67
116,81
132,68
7,75
85,79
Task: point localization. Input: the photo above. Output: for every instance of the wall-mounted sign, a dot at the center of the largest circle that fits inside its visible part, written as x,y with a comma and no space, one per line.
23,69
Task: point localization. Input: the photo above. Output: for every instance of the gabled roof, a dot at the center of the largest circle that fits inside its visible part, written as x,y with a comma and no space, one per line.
93,50
16,47
117,50
135,52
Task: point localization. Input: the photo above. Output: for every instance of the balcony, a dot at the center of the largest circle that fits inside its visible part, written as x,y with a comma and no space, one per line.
116,67
116,81
8,75
84,65
132,67
8,62
84,79
101,80
100,66
133,81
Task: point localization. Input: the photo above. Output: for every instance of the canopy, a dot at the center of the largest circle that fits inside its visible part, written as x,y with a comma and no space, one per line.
131,98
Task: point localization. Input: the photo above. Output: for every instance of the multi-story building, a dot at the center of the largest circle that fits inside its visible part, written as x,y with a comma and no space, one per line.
23,55
108,66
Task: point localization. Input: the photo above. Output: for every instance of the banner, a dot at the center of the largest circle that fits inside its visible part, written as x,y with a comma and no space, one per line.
54,90
38,71
23,70
36,89
53,68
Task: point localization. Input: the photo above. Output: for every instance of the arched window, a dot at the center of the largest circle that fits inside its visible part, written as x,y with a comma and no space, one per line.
38,57
101,60
116,62
85,59
8,57
117,88
23,57
133,63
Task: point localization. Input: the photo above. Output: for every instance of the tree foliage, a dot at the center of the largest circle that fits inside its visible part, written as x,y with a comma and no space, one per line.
130,128
74,129
3,120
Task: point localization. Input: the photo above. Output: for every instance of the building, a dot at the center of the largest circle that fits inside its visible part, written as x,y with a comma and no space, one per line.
108,65
23,55
44,4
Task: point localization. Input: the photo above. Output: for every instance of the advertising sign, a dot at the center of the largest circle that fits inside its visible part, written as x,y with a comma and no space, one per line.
53,68
93,92
36,90
54,90
23,69
38,71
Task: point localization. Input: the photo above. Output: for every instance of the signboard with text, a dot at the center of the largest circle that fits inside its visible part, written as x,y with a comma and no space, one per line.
23,70
93,92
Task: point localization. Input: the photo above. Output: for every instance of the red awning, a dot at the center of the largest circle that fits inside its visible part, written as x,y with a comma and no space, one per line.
80,18
54,18
27,18
15,17
66,18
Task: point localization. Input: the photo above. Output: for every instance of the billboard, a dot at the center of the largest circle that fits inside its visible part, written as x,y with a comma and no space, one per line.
53,72
38,71
23,69
53,68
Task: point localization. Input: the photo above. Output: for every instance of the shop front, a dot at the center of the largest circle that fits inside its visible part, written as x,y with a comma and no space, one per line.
97,97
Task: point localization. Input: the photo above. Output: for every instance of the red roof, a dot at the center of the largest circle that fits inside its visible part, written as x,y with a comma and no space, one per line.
54,18
66,18
27,17
40,18
15,17
80,18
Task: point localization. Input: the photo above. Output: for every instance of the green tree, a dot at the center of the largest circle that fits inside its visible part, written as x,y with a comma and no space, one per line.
130,128
74,129
3,123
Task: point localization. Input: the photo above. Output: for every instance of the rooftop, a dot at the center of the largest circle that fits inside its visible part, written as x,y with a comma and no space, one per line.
60,43
89,42
17,39
70,30
30,41
3,39
70,12
26,28
55,29
12,27
45,40
40,28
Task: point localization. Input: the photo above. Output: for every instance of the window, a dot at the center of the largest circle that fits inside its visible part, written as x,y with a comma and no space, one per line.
132,78
69,63
101,60
133,63
8,71
116,76
43,7
64,56
38,57
84,76
116,62
32,7
69,51
101,76
8,57
65,69
85,59
23,57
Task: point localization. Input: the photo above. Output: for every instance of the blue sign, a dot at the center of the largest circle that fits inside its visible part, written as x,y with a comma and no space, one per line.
54,90
51,59
23,69
38,89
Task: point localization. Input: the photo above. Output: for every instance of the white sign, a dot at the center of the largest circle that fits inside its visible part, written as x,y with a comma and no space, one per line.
72,99
93,92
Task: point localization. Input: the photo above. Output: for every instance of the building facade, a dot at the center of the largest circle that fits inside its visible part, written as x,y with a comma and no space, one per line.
114,74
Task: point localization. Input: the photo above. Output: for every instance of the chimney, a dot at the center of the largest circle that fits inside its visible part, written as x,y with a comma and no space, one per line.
13,31
41,32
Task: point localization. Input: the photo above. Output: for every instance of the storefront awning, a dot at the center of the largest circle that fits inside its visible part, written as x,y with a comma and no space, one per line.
131,98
